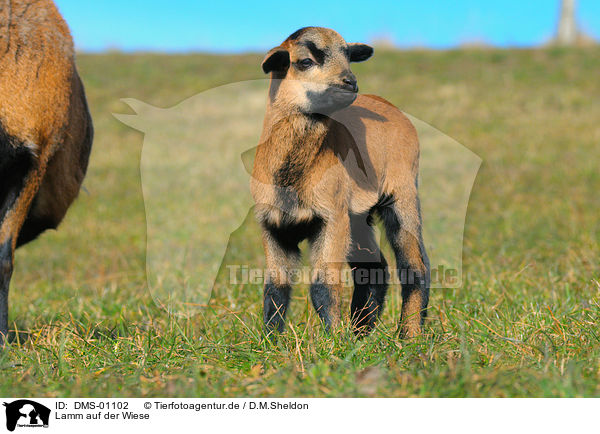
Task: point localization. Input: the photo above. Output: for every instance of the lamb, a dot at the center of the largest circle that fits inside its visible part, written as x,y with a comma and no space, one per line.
306,187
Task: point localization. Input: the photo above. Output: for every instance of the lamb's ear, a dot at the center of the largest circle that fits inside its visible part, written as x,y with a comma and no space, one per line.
278,59
359,52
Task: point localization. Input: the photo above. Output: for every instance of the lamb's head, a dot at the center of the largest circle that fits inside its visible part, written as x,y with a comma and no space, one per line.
311,73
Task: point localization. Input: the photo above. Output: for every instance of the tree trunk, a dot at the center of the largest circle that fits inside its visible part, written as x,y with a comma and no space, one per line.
567,27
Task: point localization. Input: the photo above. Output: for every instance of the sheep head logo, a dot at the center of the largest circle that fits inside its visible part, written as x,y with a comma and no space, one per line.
27,413
196,168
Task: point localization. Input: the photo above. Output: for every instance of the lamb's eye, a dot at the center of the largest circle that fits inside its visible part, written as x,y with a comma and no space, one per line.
306,63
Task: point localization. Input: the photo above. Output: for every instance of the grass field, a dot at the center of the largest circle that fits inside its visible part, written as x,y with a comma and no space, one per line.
524,323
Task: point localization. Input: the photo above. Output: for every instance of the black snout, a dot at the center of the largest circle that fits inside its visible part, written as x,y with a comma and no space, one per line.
350,83
336,96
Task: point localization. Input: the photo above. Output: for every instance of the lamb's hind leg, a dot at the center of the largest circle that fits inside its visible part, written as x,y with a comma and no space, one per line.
402,221
370,274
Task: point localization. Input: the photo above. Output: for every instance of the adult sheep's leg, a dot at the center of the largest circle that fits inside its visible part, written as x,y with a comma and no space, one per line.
21,175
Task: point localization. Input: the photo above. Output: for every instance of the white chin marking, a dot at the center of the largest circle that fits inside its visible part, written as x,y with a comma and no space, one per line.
315,87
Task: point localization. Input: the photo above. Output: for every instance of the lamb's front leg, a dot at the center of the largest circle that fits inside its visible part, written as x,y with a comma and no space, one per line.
329,250
281,259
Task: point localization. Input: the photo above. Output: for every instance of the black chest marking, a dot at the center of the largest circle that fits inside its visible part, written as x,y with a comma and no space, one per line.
289,178
289,174
288,181
289,234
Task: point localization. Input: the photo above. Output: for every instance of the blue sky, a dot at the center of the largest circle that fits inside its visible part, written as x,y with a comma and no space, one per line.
237,26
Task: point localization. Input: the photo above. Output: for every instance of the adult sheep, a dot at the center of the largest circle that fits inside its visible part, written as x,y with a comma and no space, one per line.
45,129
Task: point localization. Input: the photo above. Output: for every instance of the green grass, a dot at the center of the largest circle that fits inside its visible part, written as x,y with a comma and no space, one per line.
524,323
